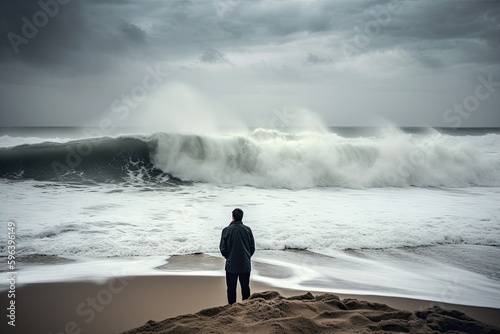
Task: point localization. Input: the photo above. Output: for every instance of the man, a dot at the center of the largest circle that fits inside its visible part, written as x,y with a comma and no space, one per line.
237,246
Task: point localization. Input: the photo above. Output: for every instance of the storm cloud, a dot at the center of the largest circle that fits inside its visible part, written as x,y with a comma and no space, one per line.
67,62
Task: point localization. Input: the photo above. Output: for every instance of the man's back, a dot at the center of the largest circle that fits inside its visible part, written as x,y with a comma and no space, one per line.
237,246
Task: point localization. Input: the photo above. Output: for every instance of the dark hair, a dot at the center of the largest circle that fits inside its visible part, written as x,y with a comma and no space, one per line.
238,214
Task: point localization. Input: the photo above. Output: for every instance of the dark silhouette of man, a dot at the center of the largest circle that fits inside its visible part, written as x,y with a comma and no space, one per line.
237,246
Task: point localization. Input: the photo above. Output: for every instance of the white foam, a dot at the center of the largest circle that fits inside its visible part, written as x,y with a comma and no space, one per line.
8,141
272,159
114,220
90,269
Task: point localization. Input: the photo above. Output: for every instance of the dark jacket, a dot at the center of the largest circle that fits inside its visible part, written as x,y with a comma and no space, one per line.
237,246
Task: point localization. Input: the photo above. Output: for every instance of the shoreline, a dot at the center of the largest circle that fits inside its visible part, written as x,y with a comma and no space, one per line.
464,274
124,303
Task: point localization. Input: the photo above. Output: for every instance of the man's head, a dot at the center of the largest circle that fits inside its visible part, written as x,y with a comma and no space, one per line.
237,214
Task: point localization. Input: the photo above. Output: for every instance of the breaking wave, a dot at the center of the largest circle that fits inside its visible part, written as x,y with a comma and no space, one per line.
265,158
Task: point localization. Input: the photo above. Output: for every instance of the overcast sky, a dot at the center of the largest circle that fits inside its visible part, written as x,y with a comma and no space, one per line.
190,64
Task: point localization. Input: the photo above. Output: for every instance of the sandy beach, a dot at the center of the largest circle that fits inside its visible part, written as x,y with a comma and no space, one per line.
122,304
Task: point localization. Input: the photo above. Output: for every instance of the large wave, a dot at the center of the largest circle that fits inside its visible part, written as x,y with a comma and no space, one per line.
269,158
266,158
99,160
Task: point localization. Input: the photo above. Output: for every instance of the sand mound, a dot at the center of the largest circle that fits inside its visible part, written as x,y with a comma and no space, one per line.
269,312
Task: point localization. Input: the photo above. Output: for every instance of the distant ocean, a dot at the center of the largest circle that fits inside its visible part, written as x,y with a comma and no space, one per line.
408,212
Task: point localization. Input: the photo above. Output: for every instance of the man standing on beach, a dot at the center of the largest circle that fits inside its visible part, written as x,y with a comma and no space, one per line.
237,246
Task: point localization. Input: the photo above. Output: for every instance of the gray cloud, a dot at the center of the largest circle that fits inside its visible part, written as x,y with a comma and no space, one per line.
460,27
108,27
213,56
41,45
315,59
363,48
133,33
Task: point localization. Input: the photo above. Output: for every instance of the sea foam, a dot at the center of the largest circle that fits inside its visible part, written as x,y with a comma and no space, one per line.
272,159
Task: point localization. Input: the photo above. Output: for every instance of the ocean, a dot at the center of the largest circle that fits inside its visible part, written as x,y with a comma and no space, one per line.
410,212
